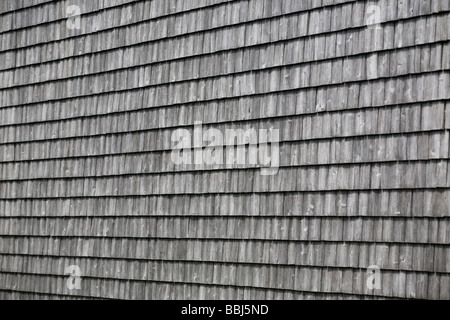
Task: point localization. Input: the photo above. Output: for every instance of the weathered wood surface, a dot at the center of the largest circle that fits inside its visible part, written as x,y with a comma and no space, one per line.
86,177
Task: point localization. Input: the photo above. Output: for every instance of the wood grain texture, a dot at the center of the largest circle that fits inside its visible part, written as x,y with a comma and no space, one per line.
86,176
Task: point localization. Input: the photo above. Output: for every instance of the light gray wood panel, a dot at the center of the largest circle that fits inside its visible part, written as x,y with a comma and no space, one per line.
318,279
365,150
95,19
355,122
413,203
287,52
354,177
229,85
97,15
319,229
105,41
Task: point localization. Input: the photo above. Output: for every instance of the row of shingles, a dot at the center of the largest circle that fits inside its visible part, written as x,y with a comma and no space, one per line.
17,98
348,122
115,59
238,3
343,151
53,12
272,80
111,103
403,285
8,7
159,290
256,55
225,271
386,203
308,101
128,244
440,79
303,146
268,278
291,134
425,258
99,19
417,175
213,19
372,145
352,97
382,252
296,229
175,71
266,9
27,295
168,228
16,58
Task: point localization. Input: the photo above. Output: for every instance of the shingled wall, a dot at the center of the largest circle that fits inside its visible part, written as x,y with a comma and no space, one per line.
86,118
